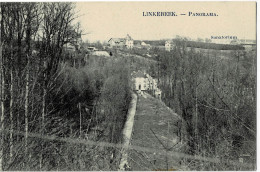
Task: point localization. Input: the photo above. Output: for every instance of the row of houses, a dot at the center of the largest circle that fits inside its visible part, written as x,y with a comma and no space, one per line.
127,42
168,45
143,82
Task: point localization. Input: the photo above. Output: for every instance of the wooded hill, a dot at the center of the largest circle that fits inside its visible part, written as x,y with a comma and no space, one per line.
216,98
52,107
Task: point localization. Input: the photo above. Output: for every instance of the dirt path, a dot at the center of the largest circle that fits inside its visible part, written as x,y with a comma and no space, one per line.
127,132
154,126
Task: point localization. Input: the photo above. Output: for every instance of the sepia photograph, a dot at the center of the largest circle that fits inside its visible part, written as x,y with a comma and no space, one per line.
128,86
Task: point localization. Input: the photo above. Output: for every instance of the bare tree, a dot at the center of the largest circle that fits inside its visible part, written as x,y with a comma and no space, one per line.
2,108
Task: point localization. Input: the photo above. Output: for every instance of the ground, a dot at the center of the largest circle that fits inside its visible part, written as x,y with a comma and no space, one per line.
154,126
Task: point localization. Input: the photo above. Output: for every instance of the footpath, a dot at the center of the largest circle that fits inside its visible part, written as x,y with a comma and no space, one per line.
127,132
154,129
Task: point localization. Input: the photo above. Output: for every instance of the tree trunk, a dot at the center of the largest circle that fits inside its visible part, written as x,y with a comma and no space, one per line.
80,122
28,54
2,107
11,109
26,108
43,109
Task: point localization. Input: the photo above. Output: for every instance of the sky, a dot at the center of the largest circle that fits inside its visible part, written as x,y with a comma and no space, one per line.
104,20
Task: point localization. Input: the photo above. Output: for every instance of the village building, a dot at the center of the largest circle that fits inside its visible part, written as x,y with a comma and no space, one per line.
143,82
138,45
139,81
149,81
154,83
74,43
168,45
70,47
127,42
92,49
145,45
116,43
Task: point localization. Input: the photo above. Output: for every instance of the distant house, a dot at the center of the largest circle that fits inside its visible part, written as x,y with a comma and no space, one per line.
143,82
145,45
70,47
151,83
116,42
127,42
76,39
74,43
139,81
168,45
92,49
138,44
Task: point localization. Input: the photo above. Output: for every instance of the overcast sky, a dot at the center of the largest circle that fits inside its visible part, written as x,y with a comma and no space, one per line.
103,20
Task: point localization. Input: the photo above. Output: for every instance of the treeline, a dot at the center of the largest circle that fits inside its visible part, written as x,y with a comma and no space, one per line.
45,99
193,44
217,101
214,46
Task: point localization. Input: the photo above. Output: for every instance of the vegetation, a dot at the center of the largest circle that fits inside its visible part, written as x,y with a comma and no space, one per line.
217,100
55,104
214,46
62,110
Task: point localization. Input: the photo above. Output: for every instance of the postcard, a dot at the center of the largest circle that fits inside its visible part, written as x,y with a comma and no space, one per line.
128,86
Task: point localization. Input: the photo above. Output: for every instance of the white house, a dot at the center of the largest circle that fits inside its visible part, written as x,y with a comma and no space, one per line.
144,82
127,42
168,45
139,81
92,49
116,42
151,83
143,44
